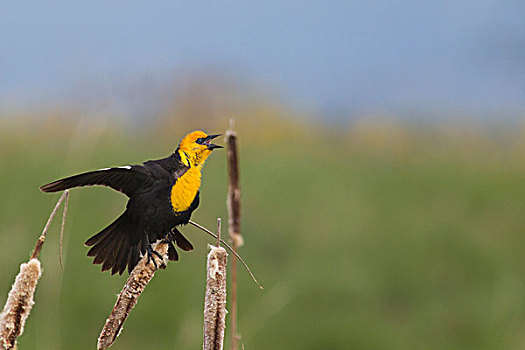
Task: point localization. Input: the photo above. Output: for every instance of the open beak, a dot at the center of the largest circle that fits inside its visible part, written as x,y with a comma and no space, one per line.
208,139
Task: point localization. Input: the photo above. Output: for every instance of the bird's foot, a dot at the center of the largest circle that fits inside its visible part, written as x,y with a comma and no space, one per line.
151,256
169,238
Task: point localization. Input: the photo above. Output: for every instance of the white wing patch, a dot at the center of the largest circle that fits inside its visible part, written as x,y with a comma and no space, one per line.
119,167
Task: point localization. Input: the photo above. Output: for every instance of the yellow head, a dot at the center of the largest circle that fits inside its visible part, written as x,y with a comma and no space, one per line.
196,147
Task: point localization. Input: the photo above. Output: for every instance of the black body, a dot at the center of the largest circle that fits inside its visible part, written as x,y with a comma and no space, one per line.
149,214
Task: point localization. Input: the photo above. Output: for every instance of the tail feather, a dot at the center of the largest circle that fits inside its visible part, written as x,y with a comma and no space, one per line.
101,247
106,266
97,250
103,242
143,245
102,250
121,259
181,241
121,245
172,253
113,247
104,233
99,259
114,261
133,258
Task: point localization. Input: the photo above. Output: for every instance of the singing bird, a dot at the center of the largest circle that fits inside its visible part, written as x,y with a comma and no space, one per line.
162,194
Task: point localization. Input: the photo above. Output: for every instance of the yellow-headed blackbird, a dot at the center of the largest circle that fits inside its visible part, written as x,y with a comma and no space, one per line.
162,194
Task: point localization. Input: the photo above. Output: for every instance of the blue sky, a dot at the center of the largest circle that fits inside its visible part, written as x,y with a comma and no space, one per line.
346,57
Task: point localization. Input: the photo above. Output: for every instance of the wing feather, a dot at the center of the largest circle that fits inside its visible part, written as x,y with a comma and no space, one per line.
123,179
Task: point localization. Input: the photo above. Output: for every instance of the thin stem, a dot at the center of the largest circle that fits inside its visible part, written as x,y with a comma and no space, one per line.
64,214
229,248
42,237
218,232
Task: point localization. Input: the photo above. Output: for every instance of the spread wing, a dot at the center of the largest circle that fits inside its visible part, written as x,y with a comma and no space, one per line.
126,179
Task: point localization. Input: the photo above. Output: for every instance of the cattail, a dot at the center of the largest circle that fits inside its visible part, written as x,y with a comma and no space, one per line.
20,298
233,204
215,301
135,285
19,303
233,201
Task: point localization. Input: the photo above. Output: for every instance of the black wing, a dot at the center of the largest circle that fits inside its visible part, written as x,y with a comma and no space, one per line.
126,179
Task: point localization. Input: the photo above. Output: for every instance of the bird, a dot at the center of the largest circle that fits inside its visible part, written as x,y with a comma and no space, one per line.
162,194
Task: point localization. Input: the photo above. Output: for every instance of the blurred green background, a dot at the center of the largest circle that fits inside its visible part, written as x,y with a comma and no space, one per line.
382,165
373,236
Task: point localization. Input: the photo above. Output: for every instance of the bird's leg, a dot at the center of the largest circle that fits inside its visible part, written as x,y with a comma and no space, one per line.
172,252
169,238
150,252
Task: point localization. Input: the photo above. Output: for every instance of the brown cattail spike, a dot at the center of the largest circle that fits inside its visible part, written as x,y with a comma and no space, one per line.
233,203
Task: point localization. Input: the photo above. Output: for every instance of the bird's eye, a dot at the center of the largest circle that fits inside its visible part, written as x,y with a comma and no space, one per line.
200,140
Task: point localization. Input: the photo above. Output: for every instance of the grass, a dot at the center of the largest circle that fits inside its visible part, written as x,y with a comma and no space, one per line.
412,244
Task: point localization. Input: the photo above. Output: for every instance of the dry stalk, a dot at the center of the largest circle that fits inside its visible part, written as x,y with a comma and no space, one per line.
215,300
135,285
233,203
64,214
20,299
42,237
230,249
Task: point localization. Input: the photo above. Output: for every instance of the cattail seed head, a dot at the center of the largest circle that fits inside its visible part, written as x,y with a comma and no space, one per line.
19,303
215,301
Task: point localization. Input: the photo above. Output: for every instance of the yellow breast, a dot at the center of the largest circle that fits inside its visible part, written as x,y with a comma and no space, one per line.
185,189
